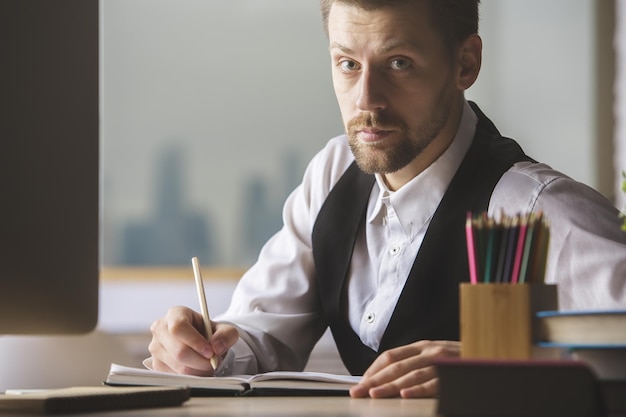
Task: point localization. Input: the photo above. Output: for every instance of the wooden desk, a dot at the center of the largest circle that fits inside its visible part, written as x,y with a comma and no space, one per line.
282,406
305,407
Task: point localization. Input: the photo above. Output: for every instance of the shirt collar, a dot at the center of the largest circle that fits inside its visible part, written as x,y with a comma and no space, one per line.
429,186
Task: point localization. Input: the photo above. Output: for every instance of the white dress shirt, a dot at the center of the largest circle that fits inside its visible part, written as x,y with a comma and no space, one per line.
276,303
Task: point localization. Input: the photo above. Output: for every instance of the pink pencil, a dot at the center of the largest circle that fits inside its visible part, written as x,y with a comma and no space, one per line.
471,250
520,249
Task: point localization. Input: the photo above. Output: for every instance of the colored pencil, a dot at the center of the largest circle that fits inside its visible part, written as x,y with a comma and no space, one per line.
471,249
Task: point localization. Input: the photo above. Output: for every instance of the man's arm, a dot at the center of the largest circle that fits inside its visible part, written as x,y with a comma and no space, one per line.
587,249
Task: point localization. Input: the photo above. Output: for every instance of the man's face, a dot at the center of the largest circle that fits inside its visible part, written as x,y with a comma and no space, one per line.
394,81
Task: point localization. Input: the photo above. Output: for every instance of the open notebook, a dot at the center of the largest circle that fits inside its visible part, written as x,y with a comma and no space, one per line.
270,383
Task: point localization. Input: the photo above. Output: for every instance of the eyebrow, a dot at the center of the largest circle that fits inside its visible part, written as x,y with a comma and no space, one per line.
336,45
382,49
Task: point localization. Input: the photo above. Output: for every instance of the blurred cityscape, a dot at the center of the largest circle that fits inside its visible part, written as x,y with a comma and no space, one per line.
174,229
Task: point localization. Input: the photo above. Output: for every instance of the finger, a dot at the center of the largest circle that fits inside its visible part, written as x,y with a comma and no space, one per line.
414,378
393,356
158,365
424,349
188,329
427,389
179,344
389,357
162,361
391,380
224,337
389,366
403,367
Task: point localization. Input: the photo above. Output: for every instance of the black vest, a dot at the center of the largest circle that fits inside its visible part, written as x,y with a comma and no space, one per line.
428,307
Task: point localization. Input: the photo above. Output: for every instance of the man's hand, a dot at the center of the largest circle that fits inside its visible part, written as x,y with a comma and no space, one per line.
406,371
178,343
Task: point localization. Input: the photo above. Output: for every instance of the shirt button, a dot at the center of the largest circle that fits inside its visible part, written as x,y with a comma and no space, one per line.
370,317
394,250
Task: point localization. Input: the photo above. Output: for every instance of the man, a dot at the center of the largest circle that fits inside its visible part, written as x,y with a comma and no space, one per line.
376,249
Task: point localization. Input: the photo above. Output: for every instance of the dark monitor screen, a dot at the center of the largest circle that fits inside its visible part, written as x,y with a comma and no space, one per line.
49,166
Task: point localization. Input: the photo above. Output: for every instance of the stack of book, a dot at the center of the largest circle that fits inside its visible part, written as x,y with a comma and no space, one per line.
595,337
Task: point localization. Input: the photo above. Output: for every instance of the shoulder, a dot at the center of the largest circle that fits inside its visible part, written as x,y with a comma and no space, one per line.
329,164
529,177
321,174
529,186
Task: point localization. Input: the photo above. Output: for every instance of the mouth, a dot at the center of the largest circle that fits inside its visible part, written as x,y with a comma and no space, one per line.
372,134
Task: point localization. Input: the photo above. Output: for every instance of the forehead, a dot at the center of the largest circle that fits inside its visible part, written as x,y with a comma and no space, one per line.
405,23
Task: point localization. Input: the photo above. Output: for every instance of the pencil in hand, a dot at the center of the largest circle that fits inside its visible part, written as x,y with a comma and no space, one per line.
208,329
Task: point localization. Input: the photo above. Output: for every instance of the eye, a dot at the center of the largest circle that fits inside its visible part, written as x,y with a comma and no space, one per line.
347,65
400,64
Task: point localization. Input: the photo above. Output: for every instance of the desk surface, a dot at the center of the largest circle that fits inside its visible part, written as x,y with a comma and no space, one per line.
284,406
307,406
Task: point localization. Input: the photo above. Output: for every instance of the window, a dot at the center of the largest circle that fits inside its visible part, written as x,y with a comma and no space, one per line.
210,112
212,109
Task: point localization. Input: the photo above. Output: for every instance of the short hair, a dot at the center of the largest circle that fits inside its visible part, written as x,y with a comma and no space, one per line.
455,20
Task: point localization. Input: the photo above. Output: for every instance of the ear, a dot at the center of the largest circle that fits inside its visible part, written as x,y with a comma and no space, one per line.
469,60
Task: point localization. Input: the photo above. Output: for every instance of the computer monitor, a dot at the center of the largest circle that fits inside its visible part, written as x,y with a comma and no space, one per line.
49,166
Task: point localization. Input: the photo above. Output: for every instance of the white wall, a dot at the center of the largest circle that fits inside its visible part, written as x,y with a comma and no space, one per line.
538,77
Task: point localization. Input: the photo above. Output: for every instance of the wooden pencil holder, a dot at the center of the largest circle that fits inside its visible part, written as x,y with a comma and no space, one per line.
497,320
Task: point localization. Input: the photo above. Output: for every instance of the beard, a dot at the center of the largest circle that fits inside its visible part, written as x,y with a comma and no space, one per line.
404,145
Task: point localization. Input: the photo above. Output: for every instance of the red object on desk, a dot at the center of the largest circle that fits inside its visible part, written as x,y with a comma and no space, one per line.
518,388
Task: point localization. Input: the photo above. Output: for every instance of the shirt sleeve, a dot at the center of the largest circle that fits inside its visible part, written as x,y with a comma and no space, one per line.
276,304
587,248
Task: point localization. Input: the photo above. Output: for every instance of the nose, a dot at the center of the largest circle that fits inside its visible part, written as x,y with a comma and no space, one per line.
371,94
